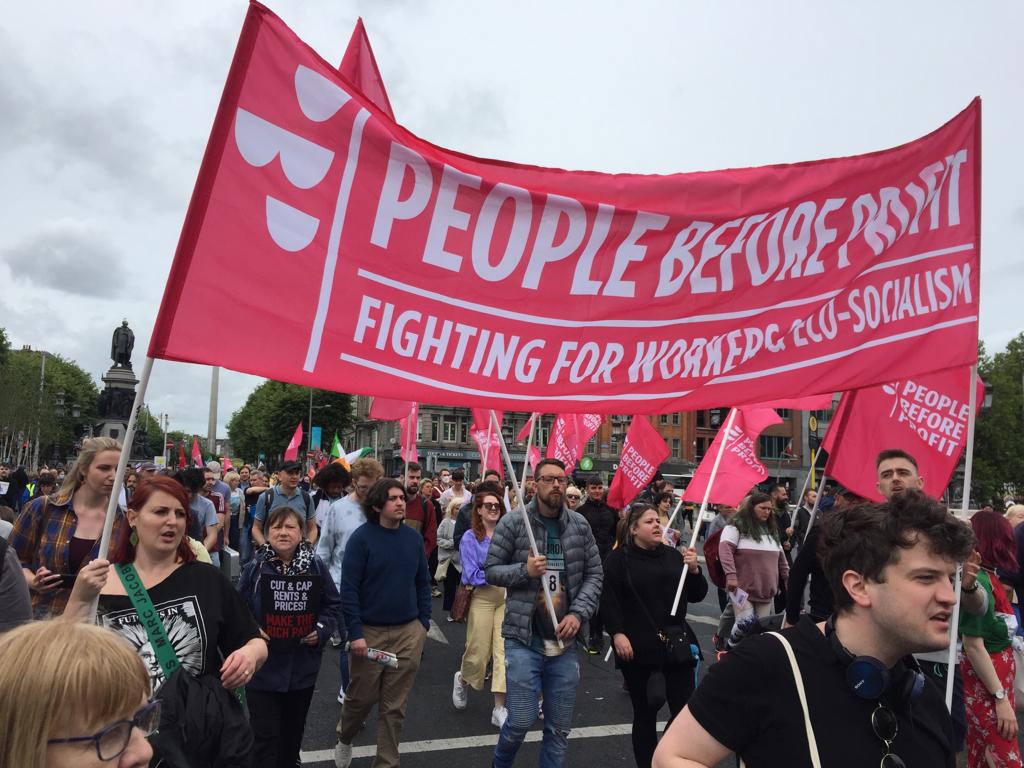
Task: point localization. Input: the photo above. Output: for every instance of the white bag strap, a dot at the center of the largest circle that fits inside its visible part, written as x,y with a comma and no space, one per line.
812,744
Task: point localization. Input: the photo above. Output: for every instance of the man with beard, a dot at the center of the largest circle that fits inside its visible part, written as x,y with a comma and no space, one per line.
419,515
603,522
780,502
842,692
539,656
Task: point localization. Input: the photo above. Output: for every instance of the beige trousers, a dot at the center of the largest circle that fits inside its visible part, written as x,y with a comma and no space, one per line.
483,639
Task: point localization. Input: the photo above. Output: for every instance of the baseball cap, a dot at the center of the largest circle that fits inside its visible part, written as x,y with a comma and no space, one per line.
145,466
288,466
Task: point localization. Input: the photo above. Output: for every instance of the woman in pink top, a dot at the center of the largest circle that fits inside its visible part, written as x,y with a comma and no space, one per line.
753,560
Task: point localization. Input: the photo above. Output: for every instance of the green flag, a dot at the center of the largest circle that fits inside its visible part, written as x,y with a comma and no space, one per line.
336,450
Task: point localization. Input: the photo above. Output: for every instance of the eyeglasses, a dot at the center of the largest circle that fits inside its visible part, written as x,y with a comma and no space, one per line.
573,496
113,740
883,723
552,480
491,505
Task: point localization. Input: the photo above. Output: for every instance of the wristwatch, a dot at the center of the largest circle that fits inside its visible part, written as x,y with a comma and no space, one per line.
1000,694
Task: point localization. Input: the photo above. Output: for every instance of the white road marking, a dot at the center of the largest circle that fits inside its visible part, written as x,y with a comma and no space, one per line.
435,633
470,742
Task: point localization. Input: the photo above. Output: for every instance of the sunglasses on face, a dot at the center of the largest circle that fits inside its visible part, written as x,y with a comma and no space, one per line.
573,496
491,505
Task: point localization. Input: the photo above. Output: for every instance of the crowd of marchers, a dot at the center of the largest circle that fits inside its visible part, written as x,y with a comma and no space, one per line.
198,638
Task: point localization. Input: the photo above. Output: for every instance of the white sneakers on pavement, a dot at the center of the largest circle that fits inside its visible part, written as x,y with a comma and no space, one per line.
342,755
460,695
498,716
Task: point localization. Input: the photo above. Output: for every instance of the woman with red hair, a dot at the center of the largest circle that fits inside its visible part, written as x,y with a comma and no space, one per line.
200,617
988,667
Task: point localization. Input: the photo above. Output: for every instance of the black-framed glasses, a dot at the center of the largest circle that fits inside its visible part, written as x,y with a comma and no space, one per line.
491,505
883,723
552,479
573,496
113,740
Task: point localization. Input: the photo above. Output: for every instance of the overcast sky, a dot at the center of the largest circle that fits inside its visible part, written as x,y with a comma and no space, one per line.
105,109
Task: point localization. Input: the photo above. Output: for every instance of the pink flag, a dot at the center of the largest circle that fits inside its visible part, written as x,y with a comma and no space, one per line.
359,66
524,433
642,452
926,416
534,457
812,403
197,456
291,453
491,451
569,437
409,426
739,468
390,410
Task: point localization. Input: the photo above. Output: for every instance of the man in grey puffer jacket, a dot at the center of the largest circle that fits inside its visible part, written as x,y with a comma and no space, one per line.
540,657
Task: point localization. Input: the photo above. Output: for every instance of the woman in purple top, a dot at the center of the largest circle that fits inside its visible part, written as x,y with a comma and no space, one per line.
486,612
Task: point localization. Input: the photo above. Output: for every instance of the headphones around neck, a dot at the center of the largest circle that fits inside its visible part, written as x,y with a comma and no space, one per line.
870,679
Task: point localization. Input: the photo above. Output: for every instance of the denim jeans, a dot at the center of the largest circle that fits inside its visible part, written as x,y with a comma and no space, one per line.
528,674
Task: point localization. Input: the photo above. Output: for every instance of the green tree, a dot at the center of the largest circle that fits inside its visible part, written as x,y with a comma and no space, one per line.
266,422
55,404
5,347
998,447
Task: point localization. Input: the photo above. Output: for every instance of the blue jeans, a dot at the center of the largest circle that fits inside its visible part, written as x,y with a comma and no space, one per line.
245,543
528,674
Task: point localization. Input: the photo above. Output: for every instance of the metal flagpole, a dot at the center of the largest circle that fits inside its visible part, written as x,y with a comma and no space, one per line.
964,504
704,505
122,463
526,520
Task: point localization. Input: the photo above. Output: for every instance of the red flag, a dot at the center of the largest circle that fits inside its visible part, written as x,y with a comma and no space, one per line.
197,456
569,437
359,66
291,453
926,416
524,433
181,456
534,457
492,451
811,403
390,410
642,452
868,263
409,426
226,463
739,468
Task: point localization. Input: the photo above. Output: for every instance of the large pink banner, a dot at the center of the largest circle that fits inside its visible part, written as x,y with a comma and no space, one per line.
413,272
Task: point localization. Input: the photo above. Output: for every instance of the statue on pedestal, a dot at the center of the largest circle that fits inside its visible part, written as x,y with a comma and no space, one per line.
121,346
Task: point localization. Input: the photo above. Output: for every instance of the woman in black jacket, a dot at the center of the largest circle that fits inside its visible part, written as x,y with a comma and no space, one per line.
640,580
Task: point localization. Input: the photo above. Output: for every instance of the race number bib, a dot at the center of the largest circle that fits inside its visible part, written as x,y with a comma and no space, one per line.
553,582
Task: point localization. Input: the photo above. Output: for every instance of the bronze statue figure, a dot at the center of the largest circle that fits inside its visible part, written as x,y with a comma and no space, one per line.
121,346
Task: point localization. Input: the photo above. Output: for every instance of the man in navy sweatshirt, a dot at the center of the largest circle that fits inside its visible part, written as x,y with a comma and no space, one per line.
385,594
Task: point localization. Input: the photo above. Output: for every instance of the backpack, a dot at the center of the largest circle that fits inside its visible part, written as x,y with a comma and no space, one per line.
712,561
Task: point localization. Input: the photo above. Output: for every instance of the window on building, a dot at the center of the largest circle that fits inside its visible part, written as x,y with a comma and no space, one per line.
675,419
591,447
449,430
676,448
700,445
435,428
717,416
773,446
663,419
463,429
784,413
614,445
702,420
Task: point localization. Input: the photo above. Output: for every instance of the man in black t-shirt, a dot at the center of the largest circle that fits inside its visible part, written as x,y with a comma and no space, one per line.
890,566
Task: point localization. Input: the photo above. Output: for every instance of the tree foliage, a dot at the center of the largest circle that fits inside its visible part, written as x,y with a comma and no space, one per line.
998,447
27,410
267,420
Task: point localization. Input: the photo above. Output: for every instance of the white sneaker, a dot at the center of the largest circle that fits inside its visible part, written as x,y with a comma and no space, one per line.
341,697
342,755
498,716
460,695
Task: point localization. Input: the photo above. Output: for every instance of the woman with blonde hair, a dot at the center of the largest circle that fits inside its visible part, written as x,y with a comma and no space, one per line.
86,703
486,612
55,536
449,561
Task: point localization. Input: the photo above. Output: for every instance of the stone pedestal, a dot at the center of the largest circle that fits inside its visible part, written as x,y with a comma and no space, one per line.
115,403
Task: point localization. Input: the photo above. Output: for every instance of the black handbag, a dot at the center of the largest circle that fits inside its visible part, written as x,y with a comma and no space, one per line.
680,641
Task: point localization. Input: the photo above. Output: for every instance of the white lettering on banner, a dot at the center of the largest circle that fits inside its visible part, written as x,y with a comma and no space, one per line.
740,443
634,467
936,418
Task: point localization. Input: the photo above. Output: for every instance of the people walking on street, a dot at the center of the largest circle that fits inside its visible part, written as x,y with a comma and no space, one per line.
539,656
385,592
449,559
279,694
603,522
286,492
484,643
55,536
754,563
640,581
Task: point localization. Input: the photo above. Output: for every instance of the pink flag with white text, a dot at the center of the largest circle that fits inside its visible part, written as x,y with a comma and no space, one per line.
926,416
569,437
739,469
642,452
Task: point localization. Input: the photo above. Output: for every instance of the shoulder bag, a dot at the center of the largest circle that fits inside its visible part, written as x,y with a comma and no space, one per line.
460,604
202,724
812,743
681,644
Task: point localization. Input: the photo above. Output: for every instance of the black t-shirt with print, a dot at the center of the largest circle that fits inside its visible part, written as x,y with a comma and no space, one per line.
748,702
205,619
